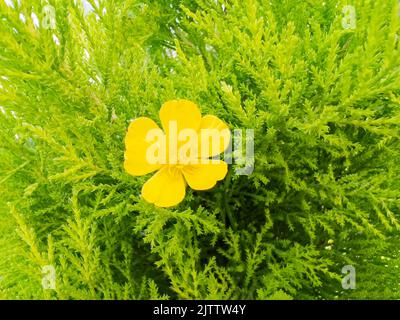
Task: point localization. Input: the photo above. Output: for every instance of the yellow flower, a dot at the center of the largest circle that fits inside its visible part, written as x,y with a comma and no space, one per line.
181,153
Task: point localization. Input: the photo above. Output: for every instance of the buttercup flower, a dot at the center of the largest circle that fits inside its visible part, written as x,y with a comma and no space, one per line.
183,153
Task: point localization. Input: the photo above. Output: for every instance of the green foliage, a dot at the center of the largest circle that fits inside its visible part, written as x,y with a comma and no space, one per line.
323,101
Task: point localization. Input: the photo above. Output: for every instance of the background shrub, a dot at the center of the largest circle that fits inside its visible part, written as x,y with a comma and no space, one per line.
323,101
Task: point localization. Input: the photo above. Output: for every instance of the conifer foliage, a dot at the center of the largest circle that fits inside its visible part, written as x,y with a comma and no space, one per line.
323,100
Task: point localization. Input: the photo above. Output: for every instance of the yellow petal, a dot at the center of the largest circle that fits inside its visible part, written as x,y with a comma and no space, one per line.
136,147
214,136
204,176
184,113
166,188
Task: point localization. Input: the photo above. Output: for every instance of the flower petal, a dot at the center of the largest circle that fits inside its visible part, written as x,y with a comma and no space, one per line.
204,176
214,136
136,162
185,113
166,188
